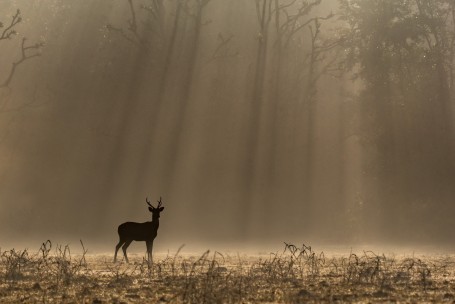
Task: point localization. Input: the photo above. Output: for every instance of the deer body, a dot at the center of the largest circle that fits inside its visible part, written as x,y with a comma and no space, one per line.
141,232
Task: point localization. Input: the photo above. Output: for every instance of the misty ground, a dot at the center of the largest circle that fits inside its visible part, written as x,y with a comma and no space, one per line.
291,275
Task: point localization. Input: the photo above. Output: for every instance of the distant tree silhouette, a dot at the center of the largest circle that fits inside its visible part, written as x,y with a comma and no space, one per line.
404,53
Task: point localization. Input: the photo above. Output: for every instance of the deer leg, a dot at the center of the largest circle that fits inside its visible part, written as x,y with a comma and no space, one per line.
124,247
151,252
149,244
120,243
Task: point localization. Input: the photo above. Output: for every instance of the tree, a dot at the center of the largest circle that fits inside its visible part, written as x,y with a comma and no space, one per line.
291,57
403,53
27,51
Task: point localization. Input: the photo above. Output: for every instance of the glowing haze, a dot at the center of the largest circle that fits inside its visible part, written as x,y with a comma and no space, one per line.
255,127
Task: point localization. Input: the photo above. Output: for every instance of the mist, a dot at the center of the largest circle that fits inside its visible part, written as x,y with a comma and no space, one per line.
257,122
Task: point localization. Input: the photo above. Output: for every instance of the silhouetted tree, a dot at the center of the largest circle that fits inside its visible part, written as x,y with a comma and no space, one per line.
291,57
27,51
403,53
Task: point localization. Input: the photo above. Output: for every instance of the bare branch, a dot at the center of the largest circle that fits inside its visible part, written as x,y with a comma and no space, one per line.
301,26
291,20
27,52
222,50
132,28
121,32
8,32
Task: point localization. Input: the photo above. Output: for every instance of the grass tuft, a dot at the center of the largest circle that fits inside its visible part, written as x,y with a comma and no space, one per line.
297,274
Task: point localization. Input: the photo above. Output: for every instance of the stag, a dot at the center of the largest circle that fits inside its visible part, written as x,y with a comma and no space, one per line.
131,231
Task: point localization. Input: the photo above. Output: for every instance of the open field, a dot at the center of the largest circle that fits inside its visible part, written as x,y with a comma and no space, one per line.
293,275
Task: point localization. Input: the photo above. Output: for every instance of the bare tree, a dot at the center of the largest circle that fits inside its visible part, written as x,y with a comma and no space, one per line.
27,51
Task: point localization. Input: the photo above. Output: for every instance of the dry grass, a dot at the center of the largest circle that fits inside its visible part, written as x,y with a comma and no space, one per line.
295,275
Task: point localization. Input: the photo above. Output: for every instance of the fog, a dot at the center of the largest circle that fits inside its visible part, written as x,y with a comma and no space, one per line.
257,121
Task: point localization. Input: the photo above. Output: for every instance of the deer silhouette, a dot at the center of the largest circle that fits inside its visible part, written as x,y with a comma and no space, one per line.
131,231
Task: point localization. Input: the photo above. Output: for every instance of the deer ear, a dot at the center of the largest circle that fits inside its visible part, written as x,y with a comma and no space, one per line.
150,209
161,209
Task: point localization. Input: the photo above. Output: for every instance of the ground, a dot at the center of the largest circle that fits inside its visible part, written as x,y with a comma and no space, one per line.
292,275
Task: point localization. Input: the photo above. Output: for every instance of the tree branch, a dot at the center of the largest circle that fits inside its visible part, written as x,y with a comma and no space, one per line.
132,27
8,32
26,54
222,50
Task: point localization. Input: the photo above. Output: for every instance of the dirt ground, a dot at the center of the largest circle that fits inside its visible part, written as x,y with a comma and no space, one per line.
293,275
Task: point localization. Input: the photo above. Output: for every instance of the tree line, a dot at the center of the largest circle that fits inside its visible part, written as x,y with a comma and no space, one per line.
276,63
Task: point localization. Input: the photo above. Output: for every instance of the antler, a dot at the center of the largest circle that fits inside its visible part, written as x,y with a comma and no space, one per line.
159,203
148,203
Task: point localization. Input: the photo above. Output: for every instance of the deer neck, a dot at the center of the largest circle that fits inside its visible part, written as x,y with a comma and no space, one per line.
156,222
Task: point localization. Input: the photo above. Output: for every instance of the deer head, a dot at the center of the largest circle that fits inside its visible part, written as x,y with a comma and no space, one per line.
155,210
